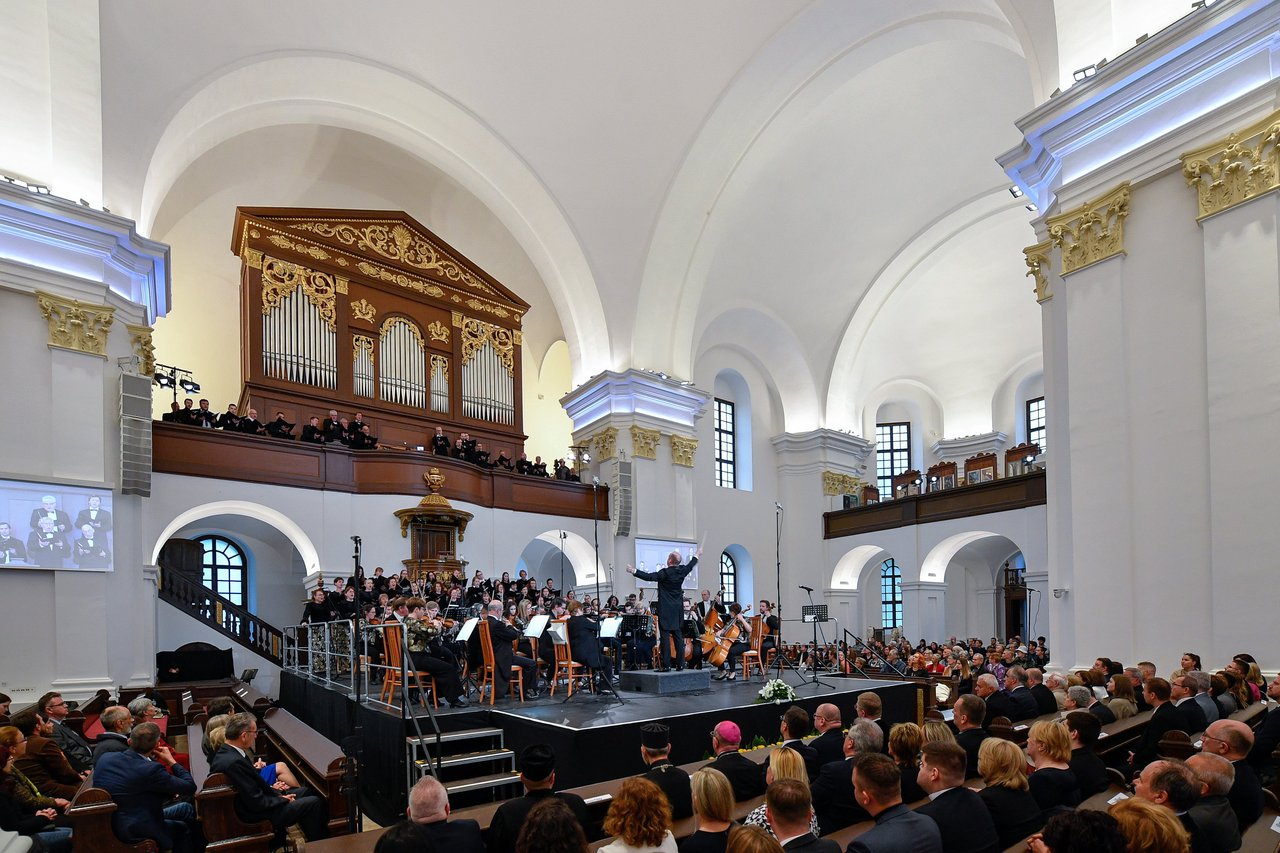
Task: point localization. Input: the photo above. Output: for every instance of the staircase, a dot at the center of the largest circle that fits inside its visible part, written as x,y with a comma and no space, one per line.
473,765
230,620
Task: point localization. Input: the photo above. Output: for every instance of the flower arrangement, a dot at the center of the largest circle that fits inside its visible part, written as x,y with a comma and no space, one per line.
777,691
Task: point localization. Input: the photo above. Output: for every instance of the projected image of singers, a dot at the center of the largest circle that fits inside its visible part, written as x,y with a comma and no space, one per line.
95,516
90,549
11,548
46,547
49,509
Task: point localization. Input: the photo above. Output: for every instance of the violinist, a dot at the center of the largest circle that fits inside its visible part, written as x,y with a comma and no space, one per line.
640,640
424,633
585,644
691,629
740,644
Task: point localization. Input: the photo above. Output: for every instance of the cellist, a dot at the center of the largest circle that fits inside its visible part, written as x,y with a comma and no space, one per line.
739,642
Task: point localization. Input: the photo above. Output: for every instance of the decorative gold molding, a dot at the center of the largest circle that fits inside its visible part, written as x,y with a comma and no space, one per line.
496,310
301,248
682,450
341,284
457,319
1234,170
441,363
408,283
476,333
1038,268
362,342
1092,232
413,328
438,331
282,278
519,335
363,310
606,443
252,258
644,443
140,339
75,325
835,483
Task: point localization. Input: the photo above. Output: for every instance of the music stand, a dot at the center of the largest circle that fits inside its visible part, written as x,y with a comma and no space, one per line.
815,614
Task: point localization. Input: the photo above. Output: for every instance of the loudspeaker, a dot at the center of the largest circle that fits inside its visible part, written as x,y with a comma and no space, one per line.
135,435
620,498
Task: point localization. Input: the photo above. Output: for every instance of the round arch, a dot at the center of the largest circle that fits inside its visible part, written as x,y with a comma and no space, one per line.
345,93
579,555
849,568
934,566
265,514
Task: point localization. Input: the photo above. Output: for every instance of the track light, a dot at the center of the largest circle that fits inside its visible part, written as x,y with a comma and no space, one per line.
1084,73
189,386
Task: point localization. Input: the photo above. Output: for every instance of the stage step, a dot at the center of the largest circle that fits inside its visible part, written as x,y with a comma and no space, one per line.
478,757
482,783
454,737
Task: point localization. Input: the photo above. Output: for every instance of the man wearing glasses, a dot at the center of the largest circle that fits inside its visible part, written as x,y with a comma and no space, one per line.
255,799
830,741
77,750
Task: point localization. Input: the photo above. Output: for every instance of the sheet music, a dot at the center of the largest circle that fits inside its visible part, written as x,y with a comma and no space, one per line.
537,625
559,632
467,627
609,627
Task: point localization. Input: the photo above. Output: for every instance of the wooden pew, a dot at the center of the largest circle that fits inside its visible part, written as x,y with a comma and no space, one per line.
215,804
90,813
317,761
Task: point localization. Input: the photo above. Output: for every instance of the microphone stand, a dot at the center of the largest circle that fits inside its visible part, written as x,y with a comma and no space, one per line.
595,532
353,746
815,679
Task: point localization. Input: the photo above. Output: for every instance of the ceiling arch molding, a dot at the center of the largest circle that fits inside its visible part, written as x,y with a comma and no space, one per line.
267,515
851,566
342,92
939,559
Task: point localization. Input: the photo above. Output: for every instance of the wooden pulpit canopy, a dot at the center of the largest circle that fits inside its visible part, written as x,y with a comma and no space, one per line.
368,311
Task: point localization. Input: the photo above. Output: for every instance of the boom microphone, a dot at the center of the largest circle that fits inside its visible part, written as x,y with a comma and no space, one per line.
806,588
777,506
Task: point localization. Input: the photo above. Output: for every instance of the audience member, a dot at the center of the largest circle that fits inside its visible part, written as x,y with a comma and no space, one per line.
655,749
1122,704
752,839
142,780
404,837
898,829
18,813
743,773
905,742
1052,782
1182,695
1164,718
640,818
429,808
1083,831
870,707
1211,814
55,709
116,722
1266,738
1091,773
1006,794
1170,783
782,763
998,704
833,801
936,731
1046,703
1015,684
42,762
794,728
829,744
968,713
1150,828
1233,740
964,822
537,766
789,811
1198,683
551,827
713,809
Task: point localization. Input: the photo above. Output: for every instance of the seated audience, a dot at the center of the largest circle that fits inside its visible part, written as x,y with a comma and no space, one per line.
640,816
1082,831
1170,783
1199,682
967,714
43,763
404,837
743,773
1016,684
998,704
1164,718
1006,794
1150,828
713,810
829,744
1046,703
142,780
1233,740
965,823
277,775
1266,738
655,747
790,813
905,742
429,808
794,728
752,839
20,814
783,763
1123,704
937,731
54,709
1091,773
1183,695
833,803
116,723
1212,814
1052,782
551,828
871,708
877,788
537,766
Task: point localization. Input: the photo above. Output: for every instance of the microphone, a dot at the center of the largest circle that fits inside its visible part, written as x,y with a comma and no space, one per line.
777,506
595,481
806,588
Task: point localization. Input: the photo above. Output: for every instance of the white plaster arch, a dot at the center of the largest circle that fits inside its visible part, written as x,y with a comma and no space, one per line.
267,515
935,564
815,54
577,551
917,397
1012,392
849,568
354,95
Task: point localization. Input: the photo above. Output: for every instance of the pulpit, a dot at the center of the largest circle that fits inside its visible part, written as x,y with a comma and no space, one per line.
434,529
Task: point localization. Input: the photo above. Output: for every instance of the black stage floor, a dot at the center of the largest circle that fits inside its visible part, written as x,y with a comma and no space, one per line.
594,737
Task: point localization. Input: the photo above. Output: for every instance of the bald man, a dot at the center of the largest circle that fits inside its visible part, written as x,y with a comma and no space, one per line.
1212,812
429,808
829,743
1232,740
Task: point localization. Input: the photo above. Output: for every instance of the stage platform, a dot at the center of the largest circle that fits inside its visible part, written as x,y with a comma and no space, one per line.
595,736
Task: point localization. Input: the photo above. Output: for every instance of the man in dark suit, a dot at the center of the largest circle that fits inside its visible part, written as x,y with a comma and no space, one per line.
12,549
833,801
743,773
43,762
829,744
877,786
870,707
655,749
255,799
537,766
670,581
429,809
998,704
707,604
1045,701
1091,773
55,709
141,780
787,808
1170,783
1183,696
968,713
1267,737
230,419
1080,697
312,433
49,509
1212,813
501,633
1015,684
961,816
1164,718
1233,740
116,722
96,516
794,726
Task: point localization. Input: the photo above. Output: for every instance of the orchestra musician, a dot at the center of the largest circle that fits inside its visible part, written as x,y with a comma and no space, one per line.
740,644
585,643
424,635
692,628
670,581
770,625
707,604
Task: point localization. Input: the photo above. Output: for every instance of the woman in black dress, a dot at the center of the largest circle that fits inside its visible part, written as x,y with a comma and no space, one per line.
905,742
318,613
713,809
1007,795
1052,783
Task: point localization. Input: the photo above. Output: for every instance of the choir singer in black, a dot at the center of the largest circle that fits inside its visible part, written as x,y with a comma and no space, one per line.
670,581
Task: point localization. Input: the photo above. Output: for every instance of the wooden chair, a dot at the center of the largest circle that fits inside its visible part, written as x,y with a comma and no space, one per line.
1176,744
393,653
752,655
90,814
515,683
223,830
565,664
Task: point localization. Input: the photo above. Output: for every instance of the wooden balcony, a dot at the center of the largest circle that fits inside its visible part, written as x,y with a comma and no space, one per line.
999,495
213,453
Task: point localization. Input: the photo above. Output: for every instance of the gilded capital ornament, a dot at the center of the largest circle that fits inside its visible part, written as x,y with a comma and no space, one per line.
363,310
606,443
76,326
438,331
1092,232
644,442
837,483
1038,268
1234,170
682,450
140,338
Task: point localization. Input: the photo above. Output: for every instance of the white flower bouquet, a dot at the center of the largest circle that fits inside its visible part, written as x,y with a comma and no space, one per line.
777,691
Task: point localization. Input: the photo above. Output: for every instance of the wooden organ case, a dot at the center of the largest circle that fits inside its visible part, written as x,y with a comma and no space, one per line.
368,311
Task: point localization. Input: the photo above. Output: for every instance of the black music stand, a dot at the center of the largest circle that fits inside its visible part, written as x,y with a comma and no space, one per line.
815,614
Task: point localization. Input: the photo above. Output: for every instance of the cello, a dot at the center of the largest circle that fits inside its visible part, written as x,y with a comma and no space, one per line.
725,641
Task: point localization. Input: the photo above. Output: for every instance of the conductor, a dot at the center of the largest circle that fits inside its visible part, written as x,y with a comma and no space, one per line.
670,580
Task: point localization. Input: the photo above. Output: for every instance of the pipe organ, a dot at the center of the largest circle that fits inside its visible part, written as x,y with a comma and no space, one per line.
369,311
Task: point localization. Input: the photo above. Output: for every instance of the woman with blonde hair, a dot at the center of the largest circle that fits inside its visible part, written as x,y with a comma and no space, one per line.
752,839
1007,796
784,763
713,809
640,817
1150,828
937,730
1123,703
1052,783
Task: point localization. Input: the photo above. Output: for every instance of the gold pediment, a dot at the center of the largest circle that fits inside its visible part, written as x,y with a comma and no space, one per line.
390,246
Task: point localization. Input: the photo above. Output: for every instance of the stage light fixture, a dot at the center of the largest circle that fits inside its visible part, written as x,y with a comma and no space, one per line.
189,385
1016,191
1084,73
164,380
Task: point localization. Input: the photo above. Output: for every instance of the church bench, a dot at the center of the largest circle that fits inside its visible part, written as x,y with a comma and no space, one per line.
250,699
199,764
224,832
317,761
1001,727
90,814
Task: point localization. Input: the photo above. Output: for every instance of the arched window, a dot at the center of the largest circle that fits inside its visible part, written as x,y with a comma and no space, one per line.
728,577
225,568
890,594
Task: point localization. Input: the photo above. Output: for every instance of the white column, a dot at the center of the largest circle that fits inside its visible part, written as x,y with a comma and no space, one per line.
1038,598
